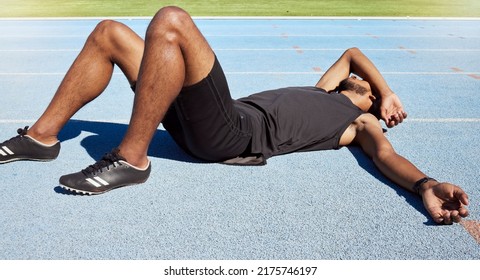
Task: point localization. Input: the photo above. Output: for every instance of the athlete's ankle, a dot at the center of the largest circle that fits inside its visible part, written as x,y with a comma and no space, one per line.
43,138
137,160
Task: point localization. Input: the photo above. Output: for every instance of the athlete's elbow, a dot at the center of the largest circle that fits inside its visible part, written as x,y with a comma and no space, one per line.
384,154
351,54
353,51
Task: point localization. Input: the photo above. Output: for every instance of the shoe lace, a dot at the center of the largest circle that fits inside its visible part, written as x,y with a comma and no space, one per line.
21,133
108,159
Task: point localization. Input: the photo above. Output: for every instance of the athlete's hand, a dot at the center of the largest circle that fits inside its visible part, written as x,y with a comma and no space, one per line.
391,110
445,202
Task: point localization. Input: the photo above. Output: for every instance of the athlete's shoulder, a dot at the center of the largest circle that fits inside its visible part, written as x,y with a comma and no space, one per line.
363,123
366,119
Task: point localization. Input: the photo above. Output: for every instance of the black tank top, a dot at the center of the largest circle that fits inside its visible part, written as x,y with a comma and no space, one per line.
297,119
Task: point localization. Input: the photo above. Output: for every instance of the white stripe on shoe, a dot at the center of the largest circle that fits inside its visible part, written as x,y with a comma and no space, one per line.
103,182
97,182
6,149
93,182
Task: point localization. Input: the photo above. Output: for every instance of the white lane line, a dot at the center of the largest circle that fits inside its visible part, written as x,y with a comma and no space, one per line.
252,18
444,120
270,49
265,35
343,49
416,120
259,73
33,74
40,50
31,121
320,72
342,36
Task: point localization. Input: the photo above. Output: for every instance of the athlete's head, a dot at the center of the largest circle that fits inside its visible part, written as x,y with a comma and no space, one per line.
354,84
361,89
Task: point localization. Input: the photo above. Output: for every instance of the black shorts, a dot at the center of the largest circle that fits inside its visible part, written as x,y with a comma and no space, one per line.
204,121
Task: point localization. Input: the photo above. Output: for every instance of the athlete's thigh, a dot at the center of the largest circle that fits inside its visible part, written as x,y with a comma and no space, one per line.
197,53
124,46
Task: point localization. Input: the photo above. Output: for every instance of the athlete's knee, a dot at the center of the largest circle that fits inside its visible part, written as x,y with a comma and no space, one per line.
170,23
107,32
172,16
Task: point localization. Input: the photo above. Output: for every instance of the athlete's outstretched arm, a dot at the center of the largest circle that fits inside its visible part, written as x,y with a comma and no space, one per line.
444,202
354,61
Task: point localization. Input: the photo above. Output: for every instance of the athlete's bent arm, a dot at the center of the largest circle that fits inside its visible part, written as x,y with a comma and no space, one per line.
445,202
354,61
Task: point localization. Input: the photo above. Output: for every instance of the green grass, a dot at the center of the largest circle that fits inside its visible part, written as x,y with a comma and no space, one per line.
100,8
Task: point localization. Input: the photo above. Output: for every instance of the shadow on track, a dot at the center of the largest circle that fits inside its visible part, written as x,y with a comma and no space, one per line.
367,164
107,136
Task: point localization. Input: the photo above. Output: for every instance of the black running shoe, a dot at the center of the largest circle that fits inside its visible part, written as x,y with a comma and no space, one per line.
109,173
24,147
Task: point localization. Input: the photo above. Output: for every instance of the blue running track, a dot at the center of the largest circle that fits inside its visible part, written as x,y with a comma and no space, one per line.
317,205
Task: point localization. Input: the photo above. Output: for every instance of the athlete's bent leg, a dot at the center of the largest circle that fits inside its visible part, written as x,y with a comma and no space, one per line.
110,43
176,55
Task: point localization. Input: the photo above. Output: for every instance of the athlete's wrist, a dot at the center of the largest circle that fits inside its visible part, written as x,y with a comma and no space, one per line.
424,184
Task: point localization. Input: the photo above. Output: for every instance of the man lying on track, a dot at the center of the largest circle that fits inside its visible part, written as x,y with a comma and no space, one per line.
179,82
